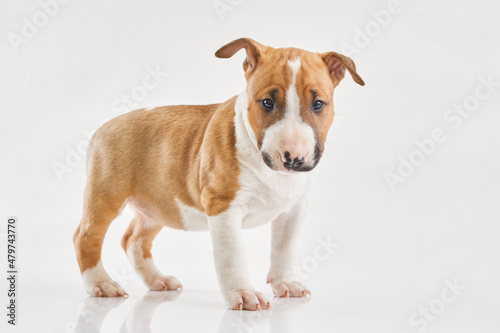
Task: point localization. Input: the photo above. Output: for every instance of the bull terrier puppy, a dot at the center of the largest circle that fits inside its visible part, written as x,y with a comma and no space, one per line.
220,167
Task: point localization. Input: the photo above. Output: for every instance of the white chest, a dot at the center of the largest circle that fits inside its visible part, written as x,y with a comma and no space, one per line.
266,196
261,198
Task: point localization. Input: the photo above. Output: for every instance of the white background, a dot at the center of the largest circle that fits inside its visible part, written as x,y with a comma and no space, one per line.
396,247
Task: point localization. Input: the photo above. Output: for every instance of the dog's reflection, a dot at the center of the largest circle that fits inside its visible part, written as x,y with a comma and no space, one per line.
280,317
93,312
95,309
283,316
139,318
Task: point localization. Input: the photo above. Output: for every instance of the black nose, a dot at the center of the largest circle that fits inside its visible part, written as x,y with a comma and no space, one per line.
293,165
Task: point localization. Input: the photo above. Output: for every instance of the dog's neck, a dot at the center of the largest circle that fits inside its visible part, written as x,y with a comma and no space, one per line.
245,137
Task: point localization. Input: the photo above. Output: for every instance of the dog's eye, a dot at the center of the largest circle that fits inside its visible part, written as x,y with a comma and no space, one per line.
267,104
318,105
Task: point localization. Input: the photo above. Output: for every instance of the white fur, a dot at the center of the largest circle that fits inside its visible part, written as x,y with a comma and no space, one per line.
229,253
94,275
292,98
145,268
96,278
244,132
193,219
284,235
290,133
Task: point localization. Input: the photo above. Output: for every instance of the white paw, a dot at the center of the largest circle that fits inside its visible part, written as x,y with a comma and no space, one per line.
246,300
162,282
289,288
106,289
98,283
147,270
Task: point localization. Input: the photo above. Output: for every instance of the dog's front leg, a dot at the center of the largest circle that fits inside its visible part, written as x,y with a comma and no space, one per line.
284,234
231,263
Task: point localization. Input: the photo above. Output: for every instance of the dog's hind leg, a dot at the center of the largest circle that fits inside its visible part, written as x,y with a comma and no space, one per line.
137,242
100,209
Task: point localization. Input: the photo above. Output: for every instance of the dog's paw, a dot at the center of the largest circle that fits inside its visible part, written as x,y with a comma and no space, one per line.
162,283
106,289
247,300
97,283
289,288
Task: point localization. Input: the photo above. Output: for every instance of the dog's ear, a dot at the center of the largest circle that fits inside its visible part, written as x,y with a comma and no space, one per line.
337,64
253,49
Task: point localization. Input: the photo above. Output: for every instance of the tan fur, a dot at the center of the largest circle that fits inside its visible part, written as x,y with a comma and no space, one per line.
137,232
153,157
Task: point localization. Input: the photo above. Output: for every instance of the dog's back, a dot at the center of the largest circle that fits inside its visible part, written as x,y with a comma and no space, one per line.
142,153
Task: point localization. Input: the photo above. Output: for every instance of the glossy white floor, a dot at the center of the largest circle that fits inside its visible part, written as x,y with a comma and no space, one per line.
418,253
336,306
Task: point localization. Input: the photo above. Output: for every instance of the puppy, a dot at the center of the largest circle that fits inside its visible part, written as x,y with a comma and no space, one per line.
219,167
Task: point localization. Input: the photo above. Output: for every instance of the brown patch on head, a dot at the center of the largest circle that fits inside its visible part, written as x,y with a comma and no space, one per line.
271,80
314,84
270,75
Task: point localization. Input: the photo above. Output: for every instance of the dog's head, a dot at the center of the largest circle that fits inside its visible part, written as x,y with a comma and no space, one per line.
290,100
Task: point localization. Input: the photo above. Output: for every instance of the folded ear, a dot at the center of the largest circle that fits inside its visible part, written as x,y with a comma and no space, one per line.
253,49
337,64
